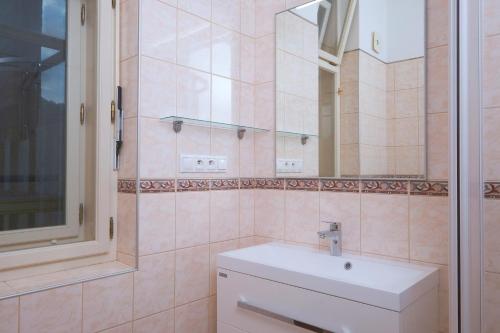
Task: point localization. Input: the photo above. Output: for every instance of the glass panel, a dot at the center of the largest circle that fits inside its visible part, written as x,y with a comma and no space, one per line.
42,143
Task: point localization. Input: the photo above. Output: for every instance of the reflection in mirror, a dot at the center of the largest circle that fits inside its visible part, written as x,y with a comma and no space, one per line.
350,89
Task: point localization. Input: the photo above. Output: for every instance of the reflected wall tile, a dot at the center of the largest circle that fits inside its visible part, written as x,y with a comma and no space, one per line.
226,50
491,235
201,8
491,71
159,30
247,155
384,225
225,100
405,74
429,229
192,219
264,154
407,160
227,13
264,106
128,153
193,93
264,58
246,211
193,140
226,143
154,284
248,17
437,147
247,104
192,317
437,23
302,216
270,213
215,249
247,70
491,157
128,81
492,302
158,149
125,328
162,322
107,302
52,311
491,17
406,131
406,103
265,11
192,269
9,315
437,79
344,208
126,224
129,29
157,223
193,41
158,82
224,215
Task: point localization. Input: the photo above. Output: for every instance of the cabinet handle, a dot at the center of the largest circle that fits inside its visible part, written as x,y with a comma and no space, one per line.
250,307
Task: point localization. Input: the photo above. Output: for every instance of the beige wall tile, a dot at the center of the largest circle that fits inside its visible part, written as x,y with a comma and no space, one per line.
491,148
159,30
264,155
226,48
126,328
491,57
193,41
247,156
158,149
162,322
192,317
129,29
437,146
491,17
128,154
224,215
264,15
384,225
215,249
126,224
437,79
9,315
247,62
107,302
302,216
158,82
264,106
128,81
246,211
227,13
193,93
154,284
492,302
201,8
192,269
53,311
264,58
192,221
248,17
270,213
437,23
491,235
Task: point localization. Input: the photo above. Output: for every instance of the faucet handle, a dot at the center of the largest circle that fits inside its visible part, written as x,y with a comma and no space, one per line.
334,226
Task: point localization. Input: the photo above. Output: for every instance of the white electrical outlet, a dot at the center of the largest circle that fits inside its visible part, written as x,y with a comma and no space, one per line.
202,164
287,165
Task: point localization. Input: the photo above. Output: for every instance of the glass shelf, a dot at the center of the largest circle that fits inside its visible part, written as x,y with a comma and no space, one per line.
179,121
295,134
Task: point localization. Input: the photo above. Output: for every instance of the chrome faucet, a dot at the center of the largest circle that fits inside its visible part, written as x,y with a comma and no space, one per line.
334,234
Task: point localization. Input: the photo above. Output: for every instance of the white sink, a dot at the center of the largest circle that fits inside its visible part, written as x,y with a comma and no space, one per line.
385,284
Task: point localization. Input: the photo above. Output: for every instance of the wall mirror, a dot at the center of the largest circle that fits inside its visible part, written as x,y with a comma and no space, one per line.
350,89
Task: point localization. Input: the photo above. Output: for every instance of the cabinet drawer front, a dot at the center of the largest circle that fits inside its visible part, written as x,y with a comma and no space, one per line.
257,305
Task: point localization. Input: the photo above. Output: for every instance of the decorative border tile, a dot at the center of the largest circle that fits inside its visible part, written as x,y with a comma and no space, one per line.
270,183
429,188
157,186
247,183
127,186
184,185
492,190
302,184
339,185
224,184
384,186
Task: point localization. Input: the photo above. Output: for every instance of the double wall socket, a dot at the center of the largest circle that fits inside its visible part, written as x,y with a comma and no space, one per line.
286,165
203,163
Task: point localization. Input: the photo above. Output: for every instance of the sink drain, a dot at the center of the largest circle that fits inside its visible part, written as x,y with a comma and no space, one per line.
347,266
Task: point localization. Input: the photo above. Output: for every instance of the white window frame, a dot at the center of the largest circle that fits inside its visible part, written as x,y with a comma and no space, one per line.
102,248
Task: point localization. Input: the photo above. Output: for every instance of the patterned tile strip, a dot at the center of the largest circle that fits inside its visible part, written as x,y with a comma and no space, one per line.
385,186
224,184
492,190
302,184
247,183
429,188
126,185
156,186
339,185
184,185
270,183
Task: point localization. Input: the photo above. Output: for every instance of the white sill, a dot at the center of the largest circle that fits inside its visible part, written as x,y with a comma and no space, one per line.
36,283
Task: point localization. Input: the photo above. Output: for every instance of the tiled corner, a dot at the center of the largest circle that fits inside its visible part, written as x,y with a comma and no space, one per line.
192,317
192,270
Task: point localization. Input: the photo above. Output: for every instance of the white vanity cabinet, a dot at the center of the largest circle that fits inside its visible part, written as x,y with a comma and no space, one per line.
256,297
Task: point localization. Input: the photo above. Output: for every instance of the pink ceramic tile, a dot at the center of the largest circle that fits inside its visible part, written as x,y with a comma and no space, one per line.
193,140
201,8
227,13
158,82
215,249
53,311
193,41
264,154
159,30
162,322
247,62
212,314
126,328
129,29
491,235
226,143
248,17
491,57
270,213
247,156
9,315
225,100
192,317
265,11
491,157
491,17
157,223
192,218
437,147
107,302
344,208
247,104
193,93
302,216
226,48
491,302
158,149
128,154
154,284
128,82
405,74
224,215
406,131
246,211
192,270
437,79
429,229
127,224
264,106
384,225
406,103
437,23
264,59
